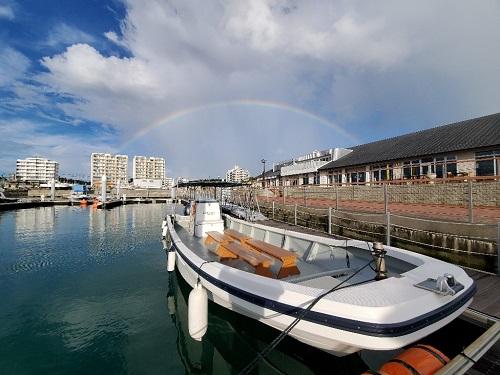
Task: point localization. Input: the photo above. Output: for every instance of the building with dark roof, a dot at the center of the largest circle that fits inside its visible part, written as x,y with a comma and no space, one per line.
465,148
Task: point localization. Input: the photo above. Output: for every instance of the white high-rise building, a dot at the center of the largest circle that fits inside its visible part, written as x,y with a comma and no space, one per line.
36,170
237,174
115,167
150,168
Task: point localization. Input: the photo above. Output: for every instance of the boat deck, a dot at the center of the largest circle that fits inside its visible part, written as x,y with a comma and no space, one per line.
329,268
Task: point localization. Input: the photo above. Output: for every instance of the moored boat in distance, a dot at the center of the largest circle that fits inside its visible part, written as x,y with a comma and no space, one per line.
80,199
342,295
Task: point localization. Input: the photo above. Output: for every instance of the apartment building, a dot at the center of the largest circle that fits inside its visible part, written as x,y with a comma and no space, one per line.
115,167
237,174
148,168
36,170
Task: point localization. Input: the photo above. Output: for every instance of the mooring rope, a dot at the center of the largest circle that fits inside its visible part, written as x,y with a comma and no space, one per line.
264,353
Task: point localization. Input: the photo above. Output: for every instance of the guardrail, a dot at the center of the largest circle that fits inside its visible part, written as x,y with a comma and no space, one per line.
475,246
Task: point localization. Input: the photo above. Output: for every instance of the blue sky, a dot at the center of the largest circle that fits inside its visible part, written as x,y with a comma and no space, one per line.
211,84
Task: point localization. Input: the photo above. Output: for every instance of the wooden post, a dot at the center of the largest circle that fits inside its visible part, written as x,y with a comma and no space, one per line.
295,214
273,210
388,229
284,197
471,204
329,220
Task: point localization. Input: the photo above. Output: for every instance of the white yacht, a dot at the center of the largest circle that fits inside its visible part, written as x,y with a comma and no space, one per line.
343,295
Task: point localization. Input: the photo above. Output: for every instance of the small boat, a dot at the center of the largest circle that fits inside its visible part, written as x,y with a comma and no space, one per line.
80,199
4,199
343,295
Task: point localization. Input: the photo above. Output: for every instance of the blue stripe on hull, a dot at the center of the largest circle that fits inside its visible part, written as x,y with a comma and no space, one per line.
356,326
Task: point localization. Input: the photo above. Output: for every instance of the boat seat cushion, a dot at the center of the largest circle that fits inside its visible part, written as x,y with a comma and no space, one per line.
214,240
236,235
260,262
288,258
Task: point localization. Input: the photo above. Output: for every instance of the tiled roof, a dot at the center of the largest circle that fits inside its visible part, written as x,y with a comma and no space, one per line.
469,134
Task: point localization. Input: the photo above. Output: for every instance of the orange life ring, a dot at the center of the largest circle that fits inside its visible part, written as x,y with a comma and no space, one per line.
416,360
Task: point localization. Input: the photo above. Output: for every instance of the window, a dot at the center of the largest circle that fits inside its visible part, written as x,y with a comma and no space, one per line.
451,166
305,180
487,163
439,167
316,179
406,170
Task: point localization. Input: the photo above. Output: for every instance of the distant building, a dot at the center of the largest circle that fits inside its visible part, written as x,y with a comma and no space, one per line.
150,168
148,183
169,181
36,170
301,170
465,148
115,167
237,174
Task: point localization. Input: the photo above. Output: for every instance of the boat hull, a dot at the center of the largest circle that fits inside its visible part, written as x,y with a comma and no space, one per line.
333,334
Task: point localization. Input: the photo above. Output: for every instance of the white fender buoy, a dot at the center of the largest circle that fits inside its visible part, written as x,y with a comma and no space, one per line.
198,312
171,261
164,232
163,224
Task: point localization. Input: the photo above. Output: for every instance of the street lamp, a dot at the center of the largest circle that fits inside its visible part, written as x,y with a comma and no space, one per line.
263,161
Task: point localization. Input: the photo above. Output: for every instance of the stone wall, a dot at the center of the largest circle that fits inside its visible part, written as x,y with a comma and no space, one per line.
59,193
485,193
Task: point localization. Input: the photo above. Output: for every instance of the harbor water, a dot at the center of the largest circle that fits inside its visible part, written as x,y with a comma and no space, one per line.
87,291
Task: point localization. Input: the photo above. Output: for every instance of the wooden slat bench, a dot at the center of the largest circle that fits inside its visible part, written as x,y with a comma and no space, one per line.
219,239
288,258
236,235
260,262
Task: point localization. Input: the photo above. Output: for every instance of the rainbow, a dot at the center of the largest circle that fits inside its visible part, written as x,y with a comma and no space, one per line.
241,102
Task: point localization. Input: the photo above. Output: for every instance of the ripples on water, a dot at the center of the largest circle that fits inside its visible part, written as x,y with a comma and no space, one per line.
86,291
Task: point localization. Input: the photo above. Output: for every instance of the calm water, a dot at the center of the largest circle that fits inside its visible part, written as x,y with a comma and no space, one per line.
86,291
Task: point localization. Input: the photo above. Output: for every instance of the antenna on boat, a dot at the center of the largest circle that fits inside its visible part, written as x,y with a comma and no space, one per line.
378,253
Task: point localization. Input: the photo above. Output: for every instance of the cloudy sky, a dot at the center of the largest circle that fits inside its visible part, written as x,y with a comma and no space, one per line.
210,84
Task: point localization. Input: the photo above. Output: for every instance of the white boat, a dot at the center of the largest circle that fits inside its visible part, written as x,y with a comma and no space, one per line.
381,298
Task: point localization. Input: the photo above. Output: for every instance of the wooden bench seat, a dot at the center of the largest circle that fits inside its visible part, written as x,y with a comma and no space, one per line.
236,235
219,239
260,262
288,258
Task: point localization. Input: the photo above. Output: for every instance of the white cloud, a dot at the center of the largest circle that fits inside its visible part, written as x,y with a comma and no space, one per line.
63,34
25,138
7,12
353,61
13,65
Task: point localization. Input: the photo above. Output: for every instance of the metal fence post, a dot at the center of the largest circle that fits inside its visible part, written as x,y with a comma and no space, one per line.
295,214
273,210
388,229
336,196
329,220
471,203
498,249
386,202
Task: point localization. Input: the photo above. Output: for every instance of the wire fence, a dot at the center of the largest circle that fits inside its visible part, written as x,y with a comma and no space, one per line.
478,249
473,200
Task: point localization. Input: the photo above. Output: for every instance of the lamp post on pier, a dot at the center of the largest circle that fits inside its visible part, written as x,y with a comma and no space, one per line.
263,161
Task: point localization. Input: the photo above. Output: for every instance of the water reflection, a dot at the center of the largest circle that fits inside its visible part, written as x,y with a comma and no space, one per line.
232,342
34,222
